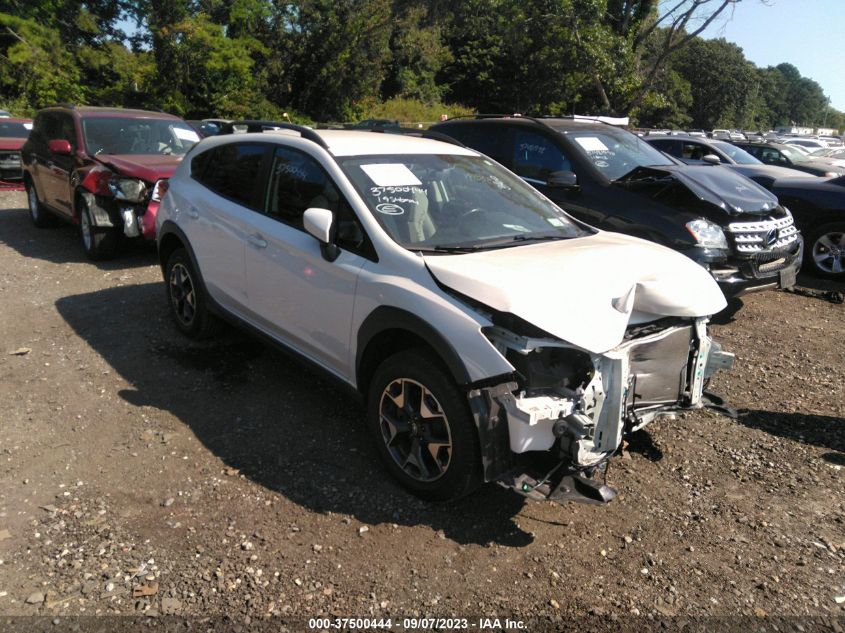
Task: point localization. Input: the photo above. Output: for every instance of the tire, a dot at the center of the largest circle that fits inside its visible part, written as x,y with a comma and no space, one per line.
824,251
40,217
186,298
98,244
422,427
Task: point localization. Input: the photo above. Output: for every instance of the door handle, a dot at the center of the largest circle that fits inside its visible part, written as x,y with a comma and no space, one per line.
257,241
192,212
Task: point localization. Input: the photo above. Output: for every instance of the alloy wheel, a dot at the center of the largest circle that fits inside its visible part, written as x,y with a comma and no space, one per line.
85,229
182,294
415,430
829,252
32,197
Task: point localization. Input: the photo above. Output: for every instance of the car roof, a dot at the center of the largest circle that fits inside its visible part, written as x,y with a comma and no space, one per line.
553,122
95,112
358,142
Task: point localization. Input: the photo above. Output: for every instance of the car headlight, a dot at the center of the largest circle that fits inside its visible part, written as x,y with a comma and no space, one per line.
159,189
707,234
129,189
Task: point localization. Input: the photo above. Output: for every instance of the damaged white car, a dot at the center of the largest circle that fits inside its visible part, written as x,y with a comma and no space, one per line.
493,337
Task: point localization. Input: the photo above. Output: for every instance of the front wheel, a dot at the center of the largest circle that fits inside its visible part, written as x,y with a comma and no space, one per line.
824,253
422,427
97,243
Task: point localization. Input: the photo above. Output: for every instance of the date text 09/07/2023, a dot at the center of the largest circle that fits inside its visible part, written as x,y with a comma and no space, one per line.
416,624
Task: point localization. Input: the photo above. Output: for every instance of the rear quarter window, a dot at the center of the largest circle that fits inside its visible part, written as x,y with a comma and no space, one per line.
232,171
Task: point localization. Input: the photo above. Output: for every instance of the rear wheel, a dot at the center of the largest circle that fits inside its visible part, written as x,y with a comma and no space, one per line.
97,243
37,213
188,303
824,253
422,427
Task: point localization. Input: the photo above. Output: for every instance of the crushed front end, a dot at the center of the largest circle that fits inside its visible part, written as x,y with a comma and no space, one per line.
567,410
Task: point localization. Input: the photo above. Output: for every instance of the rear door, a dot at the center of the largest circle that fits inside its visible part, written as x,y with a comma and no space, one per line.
294,292
225,191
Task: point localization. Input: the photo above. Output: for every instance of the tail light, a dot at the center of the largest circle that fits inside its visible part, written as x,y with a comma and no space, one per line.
160,189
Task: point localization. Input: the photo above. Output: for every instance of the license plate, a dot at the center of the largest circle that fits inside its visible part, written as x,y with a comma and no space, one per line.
787,278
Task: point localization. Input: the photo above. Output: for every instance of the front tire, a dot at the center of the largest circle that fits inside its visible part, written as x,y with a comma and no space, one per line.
98,244
185,296
422,427
824,253
37,213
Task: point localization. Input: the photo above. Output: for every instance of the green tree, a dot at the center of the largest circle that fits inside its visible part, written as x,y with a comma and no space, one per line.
37,68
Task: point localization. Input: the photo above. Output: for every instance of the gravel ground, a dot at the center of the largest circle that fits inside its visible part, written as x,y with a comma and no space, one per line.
141,473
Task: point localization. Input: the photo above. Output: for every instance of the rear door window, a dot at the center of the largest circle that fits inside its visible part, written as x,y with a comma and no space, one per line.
673,148
234,172
490,139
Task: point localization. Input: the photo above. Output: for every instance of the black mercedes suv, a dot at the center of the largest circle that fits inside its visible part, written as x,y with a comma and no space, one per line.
611,179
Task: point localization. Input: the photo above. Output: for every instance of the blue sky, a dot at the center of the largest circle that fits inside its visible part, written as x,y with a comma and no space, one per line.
809,34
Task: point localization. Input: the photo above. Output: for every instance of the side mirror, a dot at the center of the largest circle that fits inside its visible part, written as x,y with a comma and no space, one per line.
59,146
320,224
563,180
711,159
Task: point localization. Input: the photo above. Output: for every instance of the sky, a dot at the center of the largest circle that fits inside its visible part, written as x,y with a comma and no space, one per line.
805,33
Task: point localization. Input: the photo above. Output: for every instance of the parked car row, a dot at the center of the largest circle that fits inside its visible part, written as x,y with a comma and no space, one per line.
510,296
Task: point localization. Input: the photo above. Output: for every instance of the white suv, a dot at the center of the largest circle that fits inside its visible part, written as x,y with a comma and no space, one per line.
492,336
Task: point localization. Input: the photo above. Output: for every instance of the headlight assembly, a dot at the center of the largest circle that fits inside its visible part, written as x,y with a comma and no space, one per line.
128,189
707,234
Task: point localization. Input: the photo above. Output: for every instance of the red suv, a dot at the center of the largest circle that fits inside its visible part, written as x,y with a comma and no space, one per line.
13,133
105,169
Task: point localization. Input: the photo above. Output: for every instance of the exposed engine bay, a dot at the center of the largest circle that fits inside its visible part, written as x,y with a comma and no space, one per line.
580,405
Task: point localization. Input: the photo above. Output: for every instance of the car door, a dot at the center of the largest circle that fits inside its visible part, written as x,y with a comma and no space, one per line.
45,129
60,166
226,190
535,157
295,294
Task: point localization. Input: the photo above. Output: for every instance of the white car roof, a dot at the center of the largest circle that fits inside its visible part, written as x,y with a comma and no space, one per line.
358,143
355,142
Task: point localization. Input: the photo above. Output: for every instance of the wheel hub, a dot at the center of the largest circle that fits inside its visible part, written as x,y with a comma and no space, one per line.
415,430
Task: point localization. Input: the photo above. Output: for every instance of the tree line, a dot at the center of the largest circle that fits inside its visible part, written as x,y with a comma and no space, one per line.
340,60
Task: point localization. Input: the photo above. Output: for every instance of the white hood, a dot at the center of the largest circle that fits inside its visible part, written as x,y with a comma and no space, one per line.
583,290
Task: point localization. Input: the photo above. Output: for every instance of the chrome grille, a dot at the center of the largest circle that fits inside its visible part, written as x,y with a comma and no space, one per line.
10,160
750,237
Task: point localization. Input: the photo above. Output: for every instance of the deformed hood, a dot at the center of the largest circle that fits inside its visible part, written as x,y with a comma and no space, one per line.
721,187
149,167
583,290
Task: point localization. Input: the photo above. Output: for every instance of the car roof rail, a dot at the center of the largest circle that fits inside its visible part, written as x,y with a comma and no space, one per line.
69,106
429,134
261,126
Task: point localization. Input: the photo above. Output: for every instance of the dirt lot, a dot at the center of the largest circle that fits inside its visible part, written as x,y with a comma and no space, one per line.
143,473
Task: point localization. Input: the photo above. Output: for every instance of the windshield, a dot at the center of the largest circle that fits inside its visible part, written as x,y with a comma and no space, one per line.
123,135
428,202
14,129
615,152
737,154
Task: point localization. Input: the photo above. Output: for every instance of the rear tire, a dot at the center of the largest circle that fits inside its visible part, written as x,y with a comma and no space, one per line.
186,298
824,251
422,427
98,244
40,217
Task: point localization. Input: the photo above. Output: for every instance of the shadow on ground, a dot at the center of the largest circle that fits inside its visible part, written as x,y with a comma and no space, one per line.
60,243
816,430
268,416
